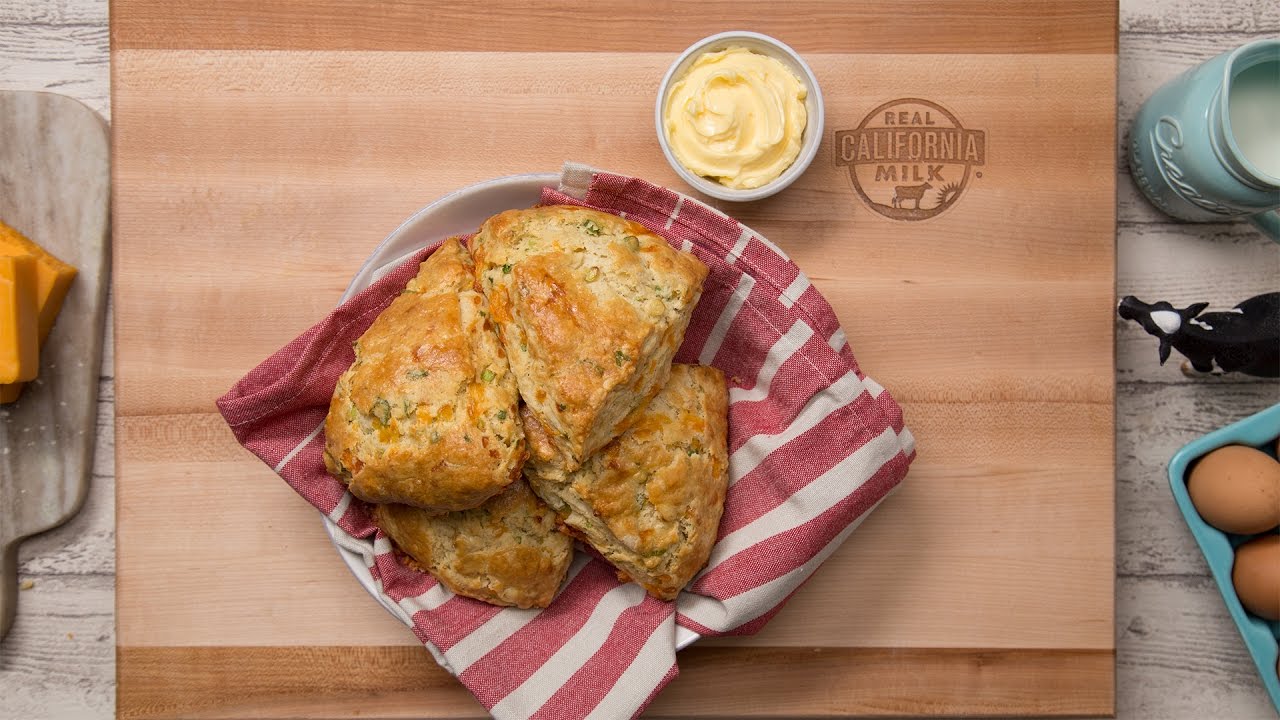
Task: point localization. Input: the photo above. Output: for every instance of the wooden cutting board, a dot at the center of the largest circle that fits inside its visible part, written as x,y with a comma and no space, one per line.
264,149
55,189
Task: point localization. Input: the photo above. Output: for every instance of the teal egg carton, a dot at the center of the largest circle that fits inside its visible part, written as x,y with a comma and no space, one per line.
1260,636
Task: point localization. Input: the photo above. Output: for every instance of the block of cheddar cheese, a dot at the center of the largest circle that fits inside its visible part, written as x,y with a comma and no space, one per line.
53,278
19,332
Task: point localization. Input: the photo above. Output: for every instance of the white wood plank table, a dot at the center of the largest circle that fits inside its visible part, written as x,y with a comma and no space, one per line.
1178,654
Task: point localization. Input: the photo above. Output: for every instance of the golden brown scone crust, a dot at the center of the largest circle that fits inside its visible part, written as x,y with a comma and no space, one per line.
505,552
650,501
427,414
591,308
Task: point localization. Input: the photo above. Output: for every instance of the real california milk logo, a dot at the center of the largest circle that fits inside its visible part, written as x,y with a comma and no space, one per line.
910,159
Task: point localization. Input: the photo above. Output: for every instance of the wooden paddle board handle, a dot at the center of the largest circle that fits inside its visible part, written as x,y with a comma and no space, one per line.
8,587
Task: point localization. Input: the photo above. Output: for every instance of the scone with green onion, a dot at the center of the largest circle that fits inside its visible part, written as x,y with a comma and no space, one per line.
591,308
427,414
649,502
505,552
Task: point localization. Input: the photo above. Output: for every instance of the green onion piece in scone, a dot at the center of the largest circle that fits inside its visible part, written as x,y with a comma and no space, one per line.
382,411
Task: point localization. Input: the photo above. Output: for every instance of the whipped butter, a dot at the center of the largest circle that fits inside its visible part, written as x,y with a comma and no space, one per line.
737,117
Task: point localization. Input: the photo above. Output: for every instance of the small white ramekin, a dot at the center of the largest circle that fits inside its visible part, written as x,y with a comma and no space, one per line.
764,45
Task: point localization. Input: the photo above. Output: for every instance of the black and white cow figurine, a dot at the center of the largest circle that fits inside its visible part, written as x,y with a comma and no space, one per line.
1244,339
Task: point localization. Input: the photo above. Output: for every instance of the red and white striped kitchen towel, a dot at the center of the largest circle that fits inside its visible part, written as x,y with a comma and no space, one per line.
814,446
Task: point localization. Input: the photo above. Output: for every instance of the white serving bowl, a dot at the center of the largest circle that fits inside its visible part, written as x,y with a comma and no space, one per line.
764,45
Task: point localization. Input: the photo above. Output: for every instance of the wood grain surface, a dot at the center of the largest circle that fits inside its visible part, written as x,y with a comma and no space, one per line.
1178,654
715,682
262,154
813,26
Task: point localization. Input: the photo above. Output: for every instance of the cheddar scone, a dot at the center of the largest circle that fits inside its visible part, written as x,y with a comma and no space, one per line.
505,552
650,501
591,308
426,416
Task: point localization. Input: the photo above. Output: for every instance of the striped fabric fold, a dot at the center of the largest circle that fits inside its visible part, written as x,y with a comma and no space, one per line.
814,446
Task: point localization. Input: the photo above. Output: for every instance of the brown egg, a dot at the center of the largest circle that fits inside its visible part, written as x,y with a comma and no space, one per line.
1237,489
1256,575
